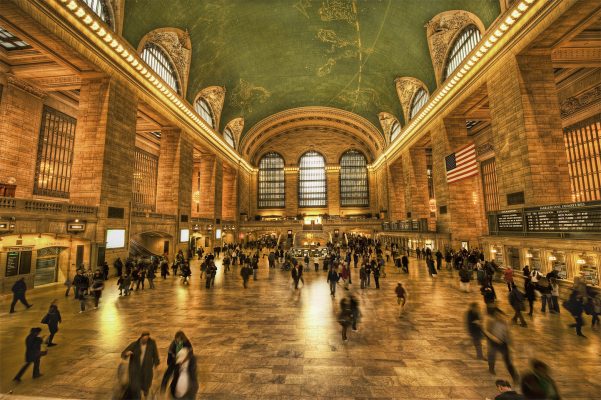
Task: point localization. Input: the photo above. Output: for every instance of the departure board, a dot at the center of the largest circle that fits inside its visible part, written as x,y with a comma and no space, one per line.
511,220
564,218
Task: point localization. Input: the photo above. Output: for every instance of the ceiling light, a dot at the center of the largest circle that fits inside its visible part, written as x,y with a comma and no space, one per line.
80,12
72,5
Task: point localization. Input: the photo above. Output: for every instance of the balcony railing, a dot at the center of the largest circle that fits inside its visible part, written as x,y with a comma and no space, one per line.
16,205
153,215
412,225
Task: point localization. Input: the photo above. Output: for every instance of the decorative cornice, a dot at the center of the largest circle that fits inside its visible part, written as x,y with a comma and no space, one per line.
215,96
484,148
441,31
574,104
26,87
405,88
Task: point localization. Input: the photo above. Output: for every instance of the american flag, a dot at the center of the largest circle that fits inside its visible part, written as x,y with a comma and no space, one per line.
461,164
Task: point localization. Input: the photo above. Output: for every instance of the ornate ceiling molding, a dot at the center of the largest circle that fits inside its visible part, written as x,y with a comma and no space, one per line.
406,87
441,32
176,43
386,121
575,104
283,121
26,87
236,126
215,96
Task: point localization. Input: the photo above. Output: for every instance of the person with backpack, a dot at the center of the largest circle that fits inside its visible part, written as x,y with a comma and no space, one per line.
52,319
333,279
401,297
516,299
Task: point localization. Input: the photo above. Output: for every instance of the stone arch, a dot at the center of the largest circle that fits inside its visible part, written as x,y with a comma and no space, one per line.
215,96
406,88
441,32
236,126
387,120
177,46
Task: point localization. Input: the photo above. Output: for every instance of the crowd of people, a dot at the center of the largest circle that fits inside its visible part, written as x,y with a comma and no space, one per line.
370,258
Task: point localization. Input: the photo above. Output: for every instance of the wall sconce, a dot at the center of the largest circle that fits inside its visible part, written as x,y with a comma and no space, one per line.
493,251
552,258
580,261
528,255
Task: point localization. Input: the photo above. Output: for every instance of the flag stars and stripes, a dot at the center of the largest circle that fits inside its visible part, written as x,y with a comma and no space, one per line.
461,164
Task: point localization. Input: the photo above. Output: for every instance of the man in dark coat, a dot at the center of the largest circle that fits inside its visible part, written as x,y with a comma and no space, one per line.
33,353
19,289
143,357
118,264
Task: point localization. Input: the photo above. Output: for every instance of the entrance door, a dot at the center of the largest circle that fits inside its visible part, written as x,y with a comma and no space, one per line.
46,267
166,247
79,256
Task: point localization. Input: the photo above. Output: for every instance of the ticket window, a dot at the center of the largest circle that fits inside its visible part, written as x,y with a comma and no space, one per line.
496,254
588,269
533,259
513,258
557,262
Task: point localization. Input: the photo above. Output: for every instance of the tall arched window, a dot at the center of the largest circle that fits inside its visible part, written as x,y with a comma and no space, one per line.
419,100
395,129
229,137
101,9
203,108
354,190
157,59
312,180
463,45
271,181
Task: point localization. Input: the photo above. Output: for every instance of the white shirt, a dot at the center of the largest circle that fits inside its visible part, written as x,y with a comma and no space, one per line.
142,353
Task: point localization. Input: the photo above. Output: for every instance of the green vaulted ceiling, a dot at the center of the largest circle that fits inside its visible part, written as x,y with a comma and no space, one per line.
272,55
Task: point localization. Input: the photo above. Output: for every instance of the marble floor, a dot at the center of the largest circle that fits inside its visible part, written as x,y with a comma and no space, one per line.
269,342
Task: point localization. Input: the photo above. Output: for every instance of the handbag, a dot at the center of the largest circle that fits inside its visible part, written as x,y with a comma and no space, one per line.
45,319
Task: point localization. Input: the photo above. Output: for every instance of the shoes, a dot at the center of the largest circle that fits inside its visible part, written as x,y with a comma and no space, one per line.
80,312
581,335
29,306
17,380
524,325
52,344
11,312
37,376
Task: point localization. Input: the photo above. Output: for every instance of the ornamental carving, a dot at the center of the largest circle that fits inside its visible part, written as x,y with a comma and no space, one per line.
177,44
577,103
386,121
26,87
484,148
215,96
440,32
236,126
405,89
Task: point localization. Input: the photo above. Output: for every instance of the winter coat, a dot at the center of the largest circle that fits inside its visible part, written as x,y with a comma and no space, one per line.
141,371
52,319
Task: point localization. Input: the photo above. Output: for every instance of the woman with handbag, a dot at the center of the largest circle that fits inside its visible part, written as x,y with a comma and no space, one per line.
52,319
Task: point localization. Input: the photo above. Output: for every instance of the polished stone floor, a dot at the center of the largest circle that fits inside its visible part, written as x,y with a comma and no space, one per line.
270,342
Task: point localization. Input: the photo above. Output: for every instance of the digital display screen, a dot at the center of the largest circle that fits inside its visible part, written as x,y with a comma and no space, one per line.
184,235
115,238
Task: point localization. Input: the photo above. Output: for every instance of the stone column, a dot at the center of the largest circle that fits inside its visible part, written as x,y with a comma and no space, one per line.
102,170
527,131
465,218
174,183
20,120
291,178
396,205
416,182
333,190
229,203
211,187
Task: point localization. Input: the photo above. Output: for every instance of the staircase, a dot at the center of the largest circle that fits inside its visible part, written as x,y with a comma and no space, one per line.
137,250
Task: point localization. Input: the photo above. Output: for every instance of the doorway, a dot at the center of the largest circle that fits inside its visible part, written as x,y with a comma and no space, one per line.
46,266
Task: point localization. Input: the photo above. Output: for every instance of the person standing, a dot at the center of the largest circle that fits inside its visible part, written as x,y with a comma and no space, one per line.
438,260
333,279
376,272
33,354
431,267
52,319
508,277
295,276
180,342
105,271
554,294
516,299
497,334
143,357
530,295
118,264
401,297
544,288
245,272
345,317
363,276
81,283
306,260
255,267
151,275
19,289
97,287
474,328
405,263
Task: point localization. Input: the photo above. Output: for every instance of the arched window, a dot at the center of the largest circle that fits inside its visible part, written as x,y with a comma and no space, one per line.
419,100
395,129
157,59
312,180
463,45
271,181
204,110
101,9
229,137
354,190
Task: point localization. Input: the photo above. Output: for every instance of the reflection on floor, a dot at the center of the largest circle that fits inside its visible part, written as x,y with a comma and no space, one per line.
269,342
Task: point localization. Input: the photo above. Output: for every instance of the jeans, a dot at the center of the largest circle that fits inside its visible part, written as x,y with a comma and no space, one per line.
255,274
333,288
477,341
493,348
546,299
555,300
